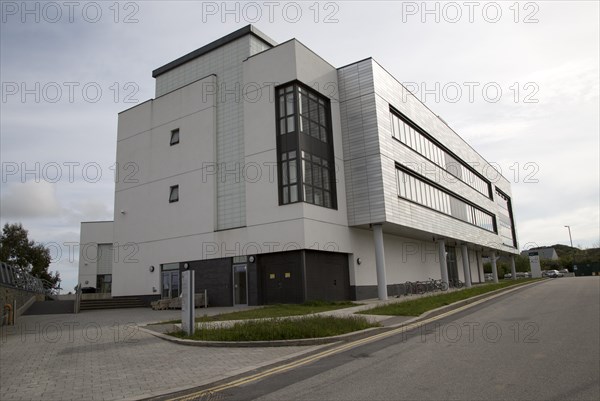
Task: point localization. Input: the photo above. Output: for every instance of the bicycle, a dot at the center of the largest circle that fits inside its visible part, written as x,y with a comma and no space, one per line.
438,284
456,283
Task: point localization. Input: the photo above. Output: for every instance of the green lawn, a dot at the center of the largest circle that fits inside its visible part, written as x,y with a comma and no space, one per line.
272,311
416,307
281,329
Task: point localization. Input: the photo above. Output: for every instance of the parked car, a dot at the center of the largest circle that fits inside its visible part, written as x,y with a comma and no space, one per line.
564,271
508,275
489,277
554,274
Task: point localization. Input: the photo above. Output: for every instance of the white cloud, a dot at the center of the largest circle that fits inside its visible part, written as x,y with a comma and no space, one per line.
30,199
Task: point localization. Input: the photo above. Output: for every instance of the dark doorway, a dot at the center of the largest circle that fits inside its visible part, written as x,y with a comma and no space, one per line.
240,285
327,276
281,278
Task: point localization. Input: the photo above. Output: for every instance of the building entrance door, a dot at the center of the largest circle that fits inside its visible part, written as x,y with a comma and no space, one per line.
170,284
240,285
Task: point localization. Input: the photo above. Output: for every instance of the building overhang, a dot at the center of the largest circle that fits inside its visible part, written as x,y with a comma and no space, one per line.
426,236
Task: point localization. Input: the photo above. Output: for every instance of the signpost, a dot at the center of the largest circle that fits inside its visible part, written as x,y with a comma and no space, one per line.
534,262
187,302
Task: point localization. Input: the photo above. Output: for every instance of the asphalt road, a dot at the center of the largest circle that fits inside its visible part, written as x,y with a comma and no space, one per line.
538,343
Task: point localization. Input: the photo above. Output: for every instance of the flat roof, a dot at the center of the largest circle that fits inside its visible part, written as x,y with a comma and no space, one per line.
247,30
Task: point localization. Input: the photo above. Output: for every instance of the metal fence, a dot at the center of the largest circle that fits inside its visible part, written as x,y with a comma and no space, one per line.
16,277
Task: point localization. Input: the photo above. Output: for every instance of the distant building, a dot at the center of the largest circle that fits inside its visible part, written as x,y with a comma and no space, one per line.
544,252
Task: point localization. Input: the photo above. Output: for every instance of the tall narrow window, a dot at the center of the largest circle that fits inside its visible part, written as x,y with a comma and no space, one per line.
305,146
174,137
506,226
174,194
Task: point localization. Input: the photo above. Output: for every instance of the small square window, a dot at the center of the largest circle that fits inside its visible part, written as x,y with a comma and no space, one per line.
174,137
174,194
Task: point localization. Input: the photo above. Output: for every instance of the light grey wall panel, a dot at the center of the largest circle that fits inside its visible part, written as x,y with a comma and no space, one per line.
362,157
402,212
226,63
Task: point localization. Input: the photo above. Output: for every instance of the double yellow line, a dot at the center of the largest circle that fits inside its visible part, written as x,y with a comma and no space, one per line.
341,348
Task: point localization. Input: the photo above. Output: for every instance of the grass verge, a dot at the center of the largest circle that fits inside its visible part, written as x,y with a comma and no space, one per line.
281,329
416,307
273,311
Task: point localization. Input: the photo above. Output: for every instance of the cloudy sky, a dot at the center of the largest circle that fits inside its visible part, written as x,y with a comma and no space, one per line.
518,81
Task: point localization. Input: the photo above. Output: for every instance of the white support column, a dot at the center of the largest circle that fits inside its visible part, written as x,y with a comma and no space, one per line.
513,268
380,262
466,267
443,265
494,267
480,266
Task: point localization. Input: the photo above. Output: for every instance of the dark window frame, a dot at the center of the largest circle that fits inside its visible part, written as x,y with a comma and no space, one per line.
304,143
174,137
172,190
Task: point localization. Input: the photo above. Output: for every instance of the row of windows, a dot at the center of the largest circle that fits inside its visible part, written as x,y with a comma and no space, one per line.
423,193
414,139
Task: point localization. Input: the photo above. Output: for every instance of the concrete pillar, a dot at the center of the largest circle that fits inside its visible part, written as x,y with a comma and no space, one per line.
380,262
443,265
480,266
494,268
513,268
466,267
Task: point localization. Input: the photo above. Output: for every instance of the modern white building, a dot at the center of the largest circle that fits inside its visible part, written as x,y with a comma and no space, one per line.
278,177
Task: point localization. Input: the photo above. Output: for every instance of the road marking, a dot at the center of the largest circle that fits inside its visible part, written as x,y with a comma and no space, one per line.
332,351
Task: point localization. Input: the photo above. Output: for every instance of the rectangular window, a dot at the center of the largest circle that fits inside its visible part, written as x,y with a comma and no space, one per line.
174,194
174,137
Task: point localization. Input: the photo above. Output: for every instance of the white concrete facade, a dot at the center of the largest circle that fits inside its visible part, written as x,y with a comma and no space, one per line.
226,168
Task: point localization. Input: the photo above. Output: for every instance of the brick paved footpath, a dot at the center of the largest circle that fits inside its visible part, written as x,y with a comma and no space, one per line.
101,355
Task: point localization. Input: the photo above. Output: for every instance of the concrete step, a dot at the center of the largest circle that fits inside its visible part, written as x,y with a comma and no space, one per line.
112,303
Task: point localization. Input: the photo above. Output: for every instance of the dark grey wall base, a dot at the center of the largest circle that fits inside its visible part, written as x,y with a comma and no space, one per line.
370,291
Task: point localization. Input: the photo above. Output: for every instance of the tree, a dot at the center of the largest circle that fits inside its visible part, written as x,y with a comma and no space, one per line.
16,249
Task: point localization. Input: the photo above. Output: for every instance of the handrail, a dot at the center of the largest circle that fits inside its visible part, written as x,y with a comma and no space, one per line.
18,278
77,304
